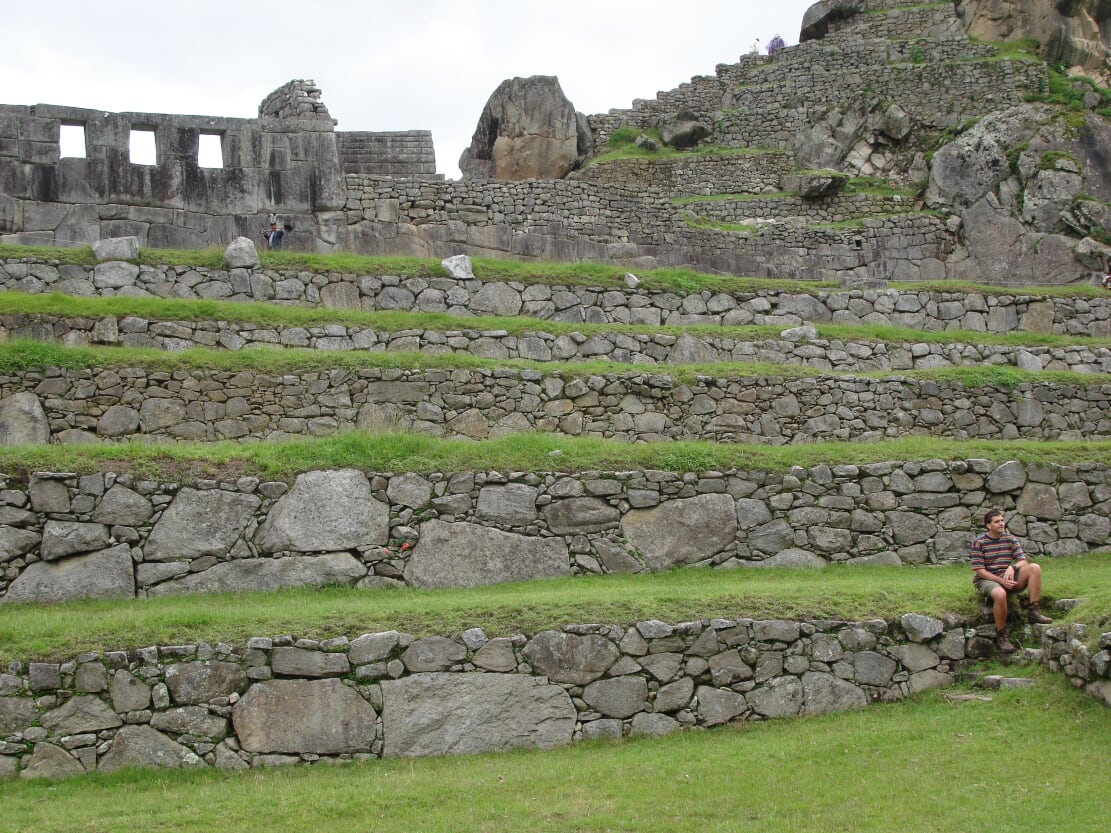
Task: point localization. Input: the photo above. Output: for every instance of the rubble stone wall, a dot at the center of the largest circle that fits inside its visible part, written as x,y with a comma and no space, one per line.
201,405
64,536
920,310
284,700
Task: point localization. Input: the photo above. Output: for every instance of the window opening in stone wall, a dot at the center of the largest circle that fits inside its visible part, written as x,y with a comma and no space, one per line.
71,141
210,150
143,147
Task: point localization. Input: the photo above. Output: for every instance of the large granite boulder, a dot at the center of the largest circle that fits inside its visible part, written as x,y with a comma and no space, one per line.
107,574
250,574
682,129
83,714
22,420
826,15
199,523
323,717
190,683
144,747
53,762
570,658
325,511
682,531
445,713
528,130
16,714
468,555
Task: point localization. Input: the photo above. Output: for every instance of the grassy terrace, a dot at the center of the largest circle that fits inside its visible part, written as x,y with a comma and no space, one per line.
393,452
60,631
271,315
525,272
917,767
30,355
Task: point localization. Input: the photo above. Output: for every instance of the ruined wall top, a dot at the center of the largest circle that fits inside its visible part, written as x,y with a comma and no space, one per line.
299,99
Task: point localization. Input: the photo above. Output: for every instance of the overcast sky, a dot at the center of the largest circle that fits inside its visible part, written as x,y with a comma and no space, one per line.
425,64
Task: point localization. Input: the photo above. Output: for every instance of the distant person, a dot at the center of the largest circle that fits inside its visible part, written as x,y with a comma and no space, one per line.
775,45
755,48
273,237
1000,569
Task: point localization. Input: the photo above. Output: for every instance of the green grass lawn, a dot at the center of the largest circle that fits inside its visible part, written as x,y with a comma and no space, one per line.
1029,760
61,631
535,452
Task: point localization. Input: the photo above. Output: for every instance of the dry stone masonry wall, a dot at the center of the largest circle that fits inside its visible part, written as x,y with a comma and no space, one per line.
64,536
918,310
196,405
284,700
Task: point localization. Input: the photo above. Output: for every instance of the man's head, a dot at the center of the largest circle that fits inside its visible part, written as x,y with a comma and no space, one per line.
273,227
994,522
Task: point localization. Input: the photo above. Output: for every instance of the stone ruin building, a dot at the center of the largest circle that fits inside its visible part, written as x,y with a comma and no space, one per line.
986,186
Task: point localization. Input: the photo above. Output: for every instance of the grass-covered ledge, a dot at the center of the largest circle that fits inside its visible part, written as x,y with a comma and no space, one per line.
22,356
272,315
58,631
526,272
915,766
535,452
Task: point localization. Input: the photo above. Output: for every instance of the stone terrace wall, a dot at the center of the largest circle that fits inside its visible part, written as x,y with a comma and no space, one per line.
918,310
199,405
704,174
795,347
107,536
570,220
834,209
892,57
286,700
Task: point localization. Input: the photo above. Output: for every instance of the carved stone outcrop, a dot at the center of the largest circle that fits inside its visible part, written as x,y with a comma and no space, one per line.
528,130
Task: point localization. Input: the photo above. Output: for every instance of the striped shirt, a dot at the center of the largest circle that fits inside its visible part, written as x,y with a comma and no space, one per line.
995,554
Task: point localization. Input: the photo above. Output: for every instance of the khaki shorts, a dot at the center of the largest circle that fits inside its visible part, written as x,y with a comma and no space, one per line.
984,587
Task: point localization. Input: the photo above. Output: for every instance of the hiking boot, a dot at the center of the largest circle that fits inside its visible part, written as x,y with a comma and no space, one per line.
1003,643
1035,616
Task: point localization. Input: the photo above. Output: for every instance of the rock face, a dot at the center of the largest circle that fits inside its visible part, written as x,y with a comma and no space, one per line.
1073,33
1024,183
528,130
441,714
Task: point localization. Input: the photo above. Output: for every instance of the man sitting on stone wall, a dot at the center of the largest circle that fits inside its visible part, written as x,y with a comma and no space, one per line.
1000,568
